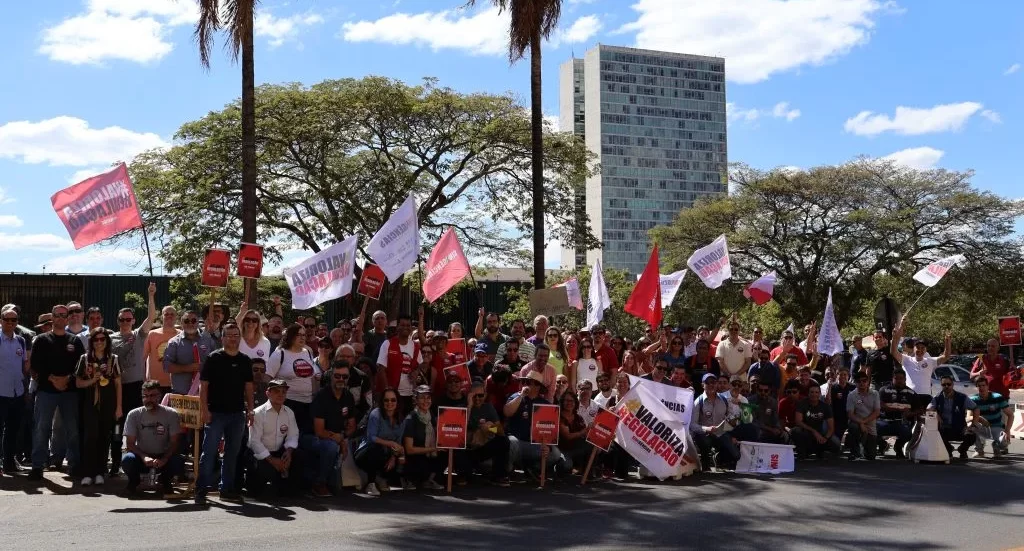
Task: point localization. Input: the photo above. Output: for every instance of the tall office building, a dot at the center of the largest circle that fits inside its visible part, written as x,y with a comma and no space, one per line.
656,120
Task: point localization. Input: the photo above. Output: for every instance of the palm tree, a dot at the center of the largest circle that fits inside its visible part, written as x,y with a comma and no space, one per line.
235,17
531,22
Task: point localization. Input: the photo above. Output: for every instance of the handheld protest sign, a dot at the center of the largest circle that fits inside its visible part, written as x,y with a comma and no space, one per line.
601,435
371,282
457,348
216,267
544,431
250,260
191,417
1009,331
451,434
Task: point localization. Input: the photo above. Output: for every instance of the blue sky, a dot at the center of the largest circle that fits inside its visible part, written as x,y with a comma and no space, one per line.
810,82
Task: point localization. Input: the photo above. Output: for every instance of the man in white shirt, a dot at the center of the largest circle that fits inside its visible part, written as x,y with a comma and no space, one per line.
273,440
920,366
733,354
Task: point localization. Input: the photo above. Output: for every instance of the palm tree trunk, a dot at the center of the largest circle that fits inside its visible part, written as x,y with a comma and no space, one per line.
537,142
249,147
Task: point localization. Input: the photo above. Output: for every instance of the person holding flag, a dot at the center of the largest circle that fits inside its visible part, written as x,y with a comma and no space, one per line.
919,366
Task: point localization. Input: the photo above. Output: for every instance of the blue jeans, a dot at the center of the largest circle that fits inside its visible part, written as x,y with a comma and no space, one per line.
527,455
47,403
229,426
327,452
134,468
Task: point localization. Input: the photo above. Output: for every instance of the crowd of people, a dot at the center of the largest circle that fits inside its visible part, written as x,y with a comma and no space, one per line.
284,407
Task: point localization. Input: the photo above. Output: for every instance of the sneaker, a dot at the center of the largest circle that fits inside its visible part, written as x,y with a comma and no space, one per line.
87,481
407,484
382,484
320,490
977,453
99,480
35,474
372,490
431,485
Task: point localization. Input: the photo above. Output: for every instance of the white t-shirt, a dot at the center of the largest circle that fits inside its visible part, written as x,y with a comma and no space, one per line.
405,386
589,411
735,358
297,369
586,370
919,373
600,399
260,352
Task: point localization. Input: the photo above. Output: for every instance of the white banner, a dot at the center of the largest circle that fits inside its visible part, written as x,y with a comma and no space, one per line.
572,288
932,273
830,342
324,276
678,400
599,299
669,286
711,263
655,437
396,245
765,458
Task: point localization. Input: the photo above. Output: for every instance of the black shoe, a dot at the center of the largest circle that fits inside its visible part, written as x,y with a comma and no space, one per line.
232,497
167,488
130,490
114,473
35,474
201,500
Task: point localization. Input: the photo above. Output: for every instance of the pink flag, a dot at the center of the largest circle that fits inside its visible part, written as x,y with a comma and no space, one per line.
98,208
761,290
446,266
572,288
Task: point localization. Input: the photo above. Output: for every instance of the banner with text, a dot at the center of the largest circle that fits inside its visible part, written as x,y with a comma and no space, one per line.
188,409
655,437
216,268
932,273
250,260
324,276
396,245
446,266
678,400
98,208
711,263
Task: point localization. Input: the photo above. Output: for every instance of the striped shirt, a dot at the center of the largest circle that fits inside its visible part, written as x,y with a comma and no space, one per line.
992,407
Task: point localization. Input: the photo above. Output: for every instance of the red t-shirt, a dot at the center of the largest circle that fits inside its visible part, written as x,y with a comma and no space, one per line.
498,395
995,372
801,358
609,360
787,412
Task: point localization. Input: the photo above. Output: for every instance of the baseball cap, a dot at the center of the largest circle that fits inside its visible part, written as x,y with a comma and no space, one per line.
481,348
422,389
708,376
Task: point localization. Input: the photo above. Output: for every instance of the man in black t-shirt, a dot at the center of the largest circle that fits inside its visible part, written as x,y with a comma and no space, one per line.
879,362
334,412
897,413
814,432
226,399
55,356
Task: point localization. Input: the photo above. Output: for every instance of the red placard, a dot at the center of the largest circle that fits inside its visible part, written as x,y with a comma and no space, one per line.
1009,331
250,260
451,428
371,283
544,424
602,432
216,267
457,348
463,372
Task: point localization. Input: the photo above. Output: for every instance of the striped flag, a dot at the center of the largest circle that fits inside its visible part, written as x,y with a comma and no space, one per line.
761,290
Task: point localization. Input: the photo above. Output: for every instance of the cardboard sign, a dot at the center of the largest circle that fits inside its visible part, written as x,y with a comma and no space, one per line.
549,302
451,428
602,432
1009,331
463,371
188,409
457,348
544,424
371,283
250,260
216,267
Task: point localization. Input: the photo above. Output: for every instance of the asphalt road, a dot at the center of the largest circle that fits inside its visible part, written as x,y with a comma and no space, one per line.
834,504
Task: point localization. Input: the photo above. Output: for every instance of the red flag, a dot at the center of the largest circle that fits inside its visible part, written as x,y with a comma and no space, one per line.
645,300
761,290
98,208
446,266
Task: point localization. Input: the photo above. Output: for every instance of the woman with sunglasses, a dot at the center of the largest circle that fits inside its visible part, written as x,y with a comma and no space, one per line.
293,363
381,452
587,366
619,346
572,346
559,356
487,440
98,376
254,344
424,462
572,433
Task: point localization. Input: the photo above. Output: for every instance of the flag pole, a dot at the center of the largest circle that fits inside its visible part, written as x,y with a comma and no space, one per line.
145,240
916,301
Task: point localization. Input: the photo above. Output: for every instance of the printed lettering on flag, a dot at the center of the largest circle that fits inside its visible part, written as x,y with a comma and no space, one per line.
446,266
677,400
396,245
830,342
652,435
932,273
324,276
216,268
98,208
598,300
711,263
670,284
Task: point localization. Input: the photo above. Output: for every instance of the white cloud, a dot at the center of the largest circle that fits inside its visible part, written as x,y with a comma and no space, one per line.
33,242
4,198
10,221
921,158
577,2
1011,69
483,32
781,110
992,116
84,173
69,141
912,121
131,30
102,260
282,29
551,121
757,38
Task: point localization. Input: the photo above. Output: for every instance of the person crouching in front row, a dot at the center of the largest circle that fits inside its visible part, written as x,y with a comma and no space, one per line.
273,443
152,434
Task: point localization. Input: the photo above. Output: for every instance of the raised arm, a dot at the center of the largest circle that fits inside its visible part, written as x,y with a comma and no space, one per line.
147,323
947,350
897,335
479,329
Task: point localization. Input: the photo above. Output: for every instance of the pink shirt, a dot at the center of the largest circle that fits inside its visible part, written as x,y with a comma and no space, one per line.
549,378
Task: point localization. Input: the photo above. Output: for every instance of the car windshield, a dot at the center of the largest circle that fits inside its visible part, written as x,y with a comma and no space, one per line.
961,374
942,371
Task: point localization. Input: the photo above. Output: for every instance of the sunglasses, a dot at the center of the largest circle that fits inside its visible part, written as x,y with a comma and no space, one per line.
661,367
189,321
341,377
11,320
75,311
552,335
390,401
478,396
125,320
251,320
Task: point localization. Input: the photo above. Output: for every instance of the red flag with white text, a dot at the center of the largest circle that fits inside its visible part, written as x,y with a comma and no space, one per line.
98,208
446,266
645,300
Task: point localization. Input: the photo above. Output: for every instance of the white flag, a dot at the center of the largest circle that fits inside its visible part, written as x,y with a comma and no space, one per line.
572,289
932,273
653,435
599,299
678,400
711,263
324,276
396,245
669,286
829,341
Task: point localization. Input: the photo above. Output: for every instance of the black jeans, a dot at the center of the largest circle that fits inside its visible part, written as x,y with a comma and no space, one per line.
419,467
97,423
950,435
858,437
11,411
496,449
373,460
259,473
131,398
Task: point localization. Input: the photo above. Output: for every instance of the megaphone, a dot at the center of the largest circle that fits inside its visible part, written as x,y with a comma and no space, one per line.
887,315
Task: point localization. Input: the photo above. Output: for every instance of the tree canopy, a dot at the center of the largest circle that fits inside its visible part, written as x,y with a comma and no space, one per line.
337,158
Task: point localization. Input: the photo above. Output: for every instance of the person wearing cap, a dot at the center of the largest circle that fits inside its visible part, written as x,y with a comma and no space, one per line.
273,440
540,365
519,419
711,411
424,463
333,411
453,395
44,323
919,366
787,347
499,385
14,366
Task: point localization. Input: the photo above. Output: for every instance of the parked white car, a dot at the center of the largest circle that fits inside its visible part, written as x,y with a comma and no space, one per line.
961,379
